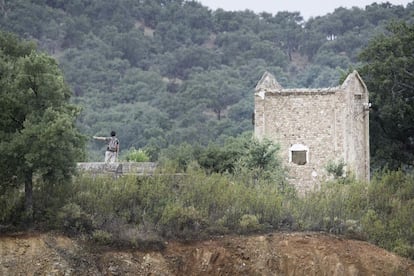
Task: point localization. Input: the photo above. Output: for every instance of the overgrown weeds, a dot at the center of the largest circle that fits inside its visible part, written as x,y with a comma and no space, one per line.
142,211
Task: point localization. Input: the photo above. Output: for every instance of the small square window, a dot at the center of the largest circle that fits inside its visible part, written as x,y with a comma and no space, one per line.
299,157
299,154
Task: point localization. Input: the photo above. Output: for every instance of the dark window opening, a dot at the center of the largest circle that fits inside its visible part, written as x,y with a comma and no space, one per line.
299,157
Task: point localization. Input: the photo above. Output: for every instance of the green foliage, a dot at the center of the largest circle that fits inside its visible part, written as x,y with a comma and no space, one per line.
170,72
72,219
102,237
140,211
11,203
259,163
103,196
170,205
261,155
374,227
337,170
50,198
391,201
387,71
217,159
136,155
379,211
249,223
173,76
177,157
38,122
181,222
242,156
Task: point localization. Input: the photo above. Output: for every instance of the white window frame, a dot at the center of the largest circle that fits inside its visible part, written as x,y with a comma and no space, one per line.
299,147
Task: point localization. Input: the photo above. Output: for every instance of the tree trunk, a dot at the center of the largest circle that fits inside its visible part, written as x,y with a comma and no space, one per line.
218,113
28,191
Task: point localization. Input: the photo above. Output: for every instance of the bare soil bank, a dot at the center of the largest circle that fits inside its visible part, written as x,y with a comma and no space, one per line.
271,254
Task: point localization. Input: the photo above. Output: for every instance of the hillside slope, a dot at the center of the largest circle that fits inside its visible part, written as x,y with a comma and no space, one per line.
271,254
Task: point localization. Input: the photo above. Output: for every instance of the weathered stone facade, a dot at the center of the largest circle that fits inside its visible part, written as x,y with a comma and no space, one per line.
314,127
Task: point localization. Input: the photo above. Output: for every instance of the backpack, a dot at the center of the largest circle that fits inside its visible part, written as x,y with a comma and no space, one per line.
113,143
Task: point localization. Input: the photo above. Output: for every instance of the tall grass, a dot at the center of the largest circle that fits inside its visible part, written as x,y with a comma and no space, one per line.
172,205
144,210
197,204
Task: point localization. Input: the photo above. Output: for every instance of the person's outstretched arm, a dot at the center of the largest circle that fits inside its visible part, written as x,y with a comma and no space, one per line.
99,138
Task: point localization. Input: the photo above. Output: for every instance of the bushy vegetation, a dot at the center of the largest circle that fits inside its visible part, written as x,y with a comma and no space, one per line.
187,201
137,211
163,73
136,155
172,77
37,122
186,206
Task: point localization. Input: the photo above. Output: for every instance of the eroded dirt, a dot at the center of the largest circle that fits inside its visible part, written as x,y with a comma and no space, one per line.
271,254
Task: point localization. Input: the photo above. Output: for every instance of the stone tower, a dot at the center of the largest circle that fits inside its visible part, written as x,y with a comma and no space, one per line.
314,127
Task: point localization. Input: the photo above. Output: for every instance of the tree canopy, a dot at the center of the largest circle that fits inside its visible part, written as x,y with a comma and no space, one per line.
39,136
163,73
389,73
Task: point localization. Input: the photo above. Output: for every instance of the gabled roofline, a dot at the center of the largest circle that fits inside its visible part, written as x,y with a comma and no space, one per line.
350,77
269,85
268,82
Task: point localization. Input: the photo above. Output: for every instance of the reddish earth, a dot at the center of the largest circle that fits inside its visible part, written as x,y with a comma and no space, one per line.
271,254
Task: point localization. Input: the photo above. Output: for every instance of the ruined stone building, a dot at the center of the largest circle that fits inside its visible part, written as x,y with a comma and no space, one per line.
314,127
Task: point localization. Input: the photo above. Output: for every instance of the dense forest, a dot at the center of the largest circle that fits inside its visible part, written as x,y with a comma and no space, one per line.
164,73
175,80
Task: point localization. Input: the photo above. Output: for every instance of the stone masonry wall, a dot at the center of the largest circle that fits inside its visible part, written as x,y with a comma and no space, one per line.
118,168
309,119
331,123
357,128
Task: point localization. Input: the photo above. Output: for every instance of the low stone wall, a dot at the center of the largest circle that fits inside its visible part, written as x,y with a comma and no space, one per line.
139,167
118,168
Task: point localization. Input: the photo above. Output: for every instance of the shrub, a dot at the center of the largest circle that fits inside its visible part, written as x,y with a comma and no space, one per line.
11,201
337,170
137,155
139,211
102,237
50,197
353,230
249,223
177,157
73,220
403,248
181,222
106,198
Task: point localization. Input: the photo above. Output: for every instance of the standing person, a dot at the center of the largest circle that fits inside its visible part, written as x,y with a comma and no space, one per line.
112,150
